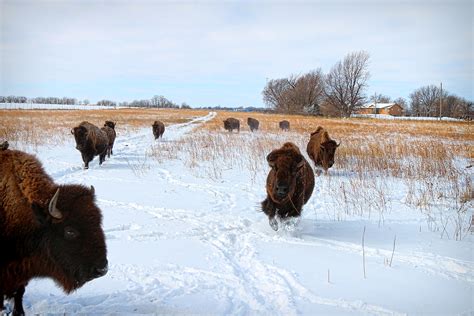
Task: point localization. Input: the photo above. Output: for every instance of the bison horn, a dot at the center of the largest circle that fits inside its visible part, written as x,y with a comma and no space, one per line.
92,190
72,132
337,145
53,210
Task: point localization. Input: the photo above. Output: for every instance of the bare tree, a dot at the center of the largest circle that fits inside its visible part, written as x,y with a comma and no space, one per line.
425,101
380,98
295,94
346,82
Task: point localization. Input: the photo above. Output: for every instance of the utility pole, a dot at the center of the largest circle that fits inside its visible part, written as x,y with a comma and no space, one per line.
375,104
440,101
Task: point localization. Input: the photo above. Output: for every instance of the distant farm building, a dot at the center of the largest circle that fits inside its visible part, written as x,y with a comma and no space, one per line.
393,109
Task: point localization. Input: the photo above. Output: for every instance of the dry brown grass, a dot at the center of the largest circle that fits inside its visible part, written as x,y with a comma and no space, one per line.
36,126
429,158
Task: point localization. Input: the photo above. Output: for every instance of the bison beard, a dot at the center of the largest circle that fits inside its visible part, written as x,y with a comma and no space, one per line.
290,184
46,230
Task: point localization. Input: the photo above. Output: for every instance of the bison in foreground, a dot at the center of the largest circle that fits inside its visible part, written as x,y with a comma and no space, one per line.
46,230
90,141
290,184
321,149
109,128
158,129
231,123
284,125
253,124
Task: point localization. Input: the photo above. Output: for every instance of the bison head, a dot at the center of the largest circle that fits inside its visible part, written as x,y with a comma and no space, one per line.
80,135
285,162
327,151
109,124
73,238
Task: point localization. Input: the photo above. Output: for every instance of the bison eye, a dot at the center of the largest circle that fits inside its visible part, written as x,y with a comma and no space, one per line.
70,233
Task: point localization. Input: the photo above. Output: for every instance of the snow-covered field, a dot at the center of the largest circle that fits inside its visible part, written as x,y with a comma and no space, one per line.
182,243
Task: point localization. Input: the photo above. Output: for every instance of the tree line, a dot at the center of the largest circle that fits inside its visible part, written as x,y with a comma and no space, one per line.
155,102
342,91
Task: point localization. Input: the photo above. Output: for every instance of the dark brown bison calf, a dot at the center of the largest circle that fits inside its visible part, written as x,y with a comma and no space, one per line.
46,230
109,128
158,129
321,149
290,184
90,141
231,123
284,125
253,124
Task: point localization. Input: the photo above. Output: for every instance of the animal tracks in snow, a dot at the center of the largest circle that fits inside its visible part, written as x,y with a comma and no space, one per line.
180,244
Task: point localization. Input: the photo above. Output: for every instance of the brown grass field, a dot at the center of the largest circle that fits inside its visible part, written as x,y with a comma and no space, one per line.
433,159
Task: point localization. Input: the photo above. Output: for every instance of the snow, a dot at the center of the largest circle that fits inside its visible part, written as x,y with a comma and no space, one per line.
181,243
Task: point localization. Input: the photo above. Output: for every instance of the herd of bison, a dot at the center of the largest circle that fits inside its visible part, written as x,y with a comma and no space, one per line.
55,230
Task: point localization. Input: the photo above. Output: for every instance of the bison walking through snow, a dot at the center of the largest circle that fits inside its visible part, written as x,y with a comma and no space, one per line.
158,129
253,124
109,128
46,230
290,184
321,148
90,141
284,125
232,123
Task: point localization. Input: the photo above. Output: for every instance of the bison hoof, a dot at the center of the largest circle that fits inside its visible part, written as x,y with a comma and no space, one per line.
273,223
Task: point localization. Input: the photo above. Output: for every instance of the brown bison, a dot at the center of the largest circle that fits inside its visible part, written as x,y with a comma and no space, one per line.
111,135
158,129
90,141
46,230
231,123
253,124
284,125
321,148
290,184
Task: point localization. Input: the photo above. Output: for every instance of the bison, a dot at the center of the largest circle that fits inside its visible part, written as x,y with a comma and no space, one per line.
46,230
253,124
109,128
284,125
90,141
321,148
290,184
158,129
231,123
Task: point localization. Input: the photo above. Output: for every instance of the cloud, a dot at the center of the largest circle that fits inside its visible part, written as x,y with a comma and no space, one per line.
145,45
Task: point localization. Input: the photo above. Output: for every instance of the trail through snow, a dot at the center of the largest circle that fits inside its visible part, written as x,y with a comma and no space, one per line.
183,244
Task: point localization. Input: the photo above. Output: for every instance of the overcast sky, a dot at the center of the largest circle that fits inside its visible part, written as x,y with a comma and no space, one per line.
209,53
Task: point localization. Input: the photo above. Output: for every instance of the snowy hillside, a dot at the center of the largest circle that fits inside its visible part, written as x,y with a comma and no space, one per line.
182,243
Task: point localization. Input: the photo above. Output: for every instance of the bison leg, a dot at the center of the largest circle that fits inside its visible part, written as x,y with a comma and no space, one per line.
269,208
102,157
18,299
86,159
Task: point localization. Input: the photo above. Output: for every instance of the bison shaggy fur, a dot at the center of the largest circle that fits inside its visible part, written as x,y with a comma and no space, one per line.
90,141
321,148
46,230
290,184
111,137
284,125
253,124
232,123
158,129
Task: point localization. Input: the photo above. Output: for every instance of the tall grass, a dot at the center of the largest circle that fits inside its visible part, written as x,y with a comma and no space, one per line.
430,159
